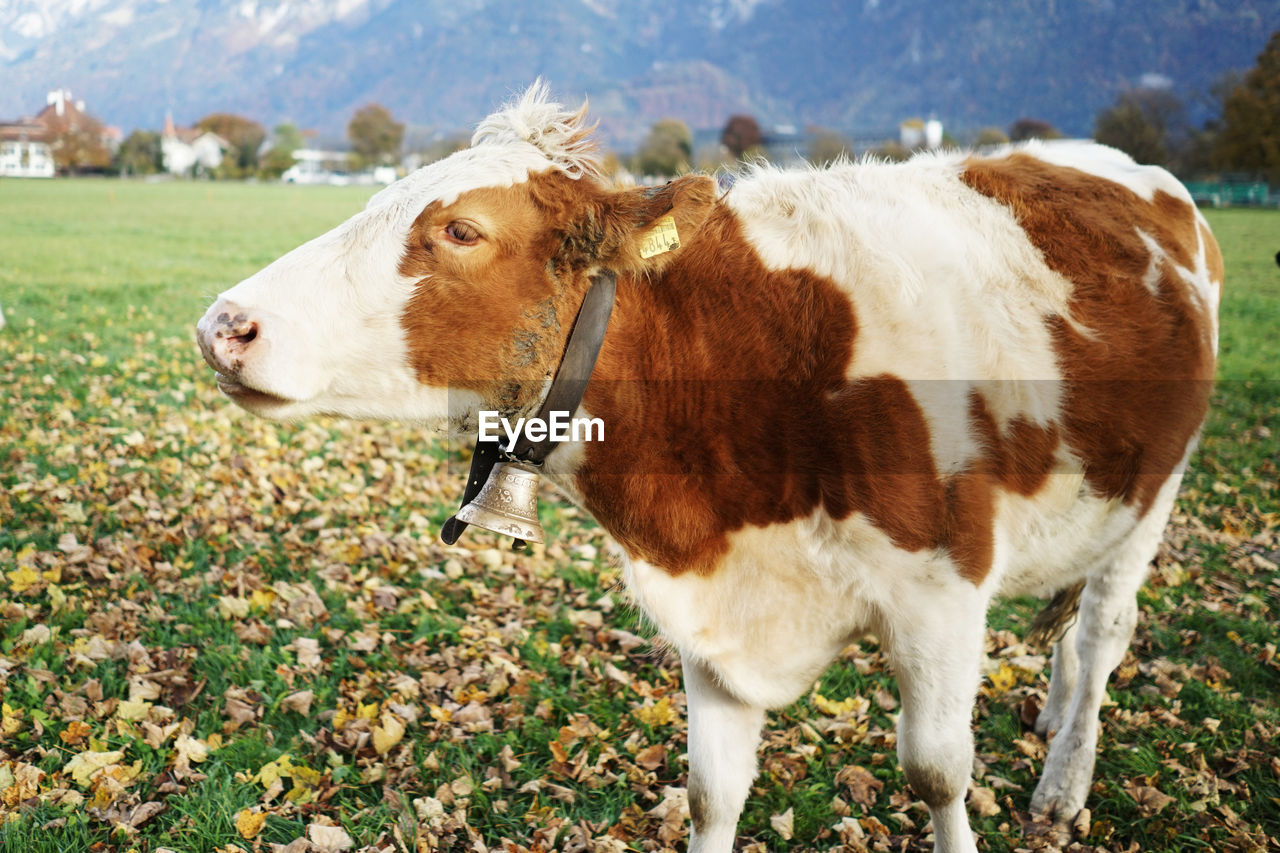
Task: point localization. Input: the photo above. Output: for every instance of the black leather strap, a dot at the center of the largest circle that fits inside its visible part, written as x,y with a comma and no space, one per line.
487,454
567,387
576,365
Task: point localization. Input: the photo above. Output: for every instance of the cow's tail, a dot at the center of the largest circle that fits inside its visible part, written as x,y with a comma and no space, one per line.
1052,622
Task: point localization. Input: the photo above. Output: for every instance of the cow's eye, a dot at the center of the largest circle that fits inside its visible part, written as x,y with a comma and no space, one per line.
463,232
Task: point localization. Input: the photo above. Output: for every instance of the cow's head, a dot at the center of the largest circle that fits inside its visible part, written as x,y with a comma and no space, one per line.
453,290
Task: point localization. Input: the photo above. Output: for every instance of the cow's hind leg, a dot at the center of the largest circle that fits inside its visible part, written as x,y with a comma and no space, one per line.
936,654
723,735
1108,614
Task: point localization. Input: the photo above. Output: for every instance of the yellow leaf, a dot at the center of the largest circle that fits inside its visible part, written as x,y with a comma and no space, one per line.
130,710
659,714
249,824
340,719
369,712
270,772
231,607
388,734
853,704
10,719
1002,680
23,577
84,765
57,600
260,599
305,784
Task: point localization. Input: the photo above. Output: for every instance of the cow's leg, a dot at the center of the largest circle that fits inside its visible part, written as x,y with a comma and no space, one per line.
1062,683
723,735
936,653
1108,614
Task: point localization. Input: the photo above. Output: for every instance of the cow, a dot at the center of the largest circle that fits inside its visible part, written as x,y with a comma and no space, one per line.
865,399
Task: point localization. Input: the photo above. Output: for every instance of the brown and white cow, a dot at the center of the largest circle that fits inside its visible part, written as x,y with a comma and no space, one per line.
868,398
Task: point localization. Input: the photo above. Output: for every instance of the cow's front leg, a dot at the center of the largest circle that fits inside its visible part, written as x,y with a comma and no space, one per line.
723,735
936,656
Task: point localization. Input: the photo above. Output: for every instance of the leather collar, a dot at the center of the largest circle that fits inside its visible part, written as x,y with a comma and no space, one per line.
565,394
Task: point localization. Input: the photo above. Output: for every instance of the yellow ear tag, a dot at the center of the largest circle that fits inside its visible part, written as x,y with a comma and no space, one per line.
663,238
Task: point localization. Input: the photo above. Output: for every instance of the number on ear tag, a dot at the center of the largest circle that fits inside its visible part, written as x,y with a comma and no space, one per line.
663,238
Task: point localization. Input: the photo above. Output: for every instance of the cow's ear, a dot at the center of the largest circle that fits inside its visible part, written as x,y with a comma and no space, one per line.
640,230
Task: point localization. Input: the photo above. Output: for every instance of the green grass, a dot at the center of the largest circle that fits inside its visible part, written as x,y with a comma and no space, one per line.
158,545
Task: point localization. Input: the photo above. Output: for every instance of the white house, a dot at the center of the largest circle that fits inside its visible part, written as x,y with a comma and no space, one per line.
24,150
190,149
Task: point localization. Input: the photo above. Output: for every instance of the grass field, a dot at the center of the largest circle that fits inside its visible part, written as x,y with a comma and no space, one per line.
218,633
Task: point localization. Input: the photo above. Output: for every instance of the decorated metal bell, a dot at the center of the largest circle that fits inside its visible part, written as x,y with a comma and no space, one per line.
507,503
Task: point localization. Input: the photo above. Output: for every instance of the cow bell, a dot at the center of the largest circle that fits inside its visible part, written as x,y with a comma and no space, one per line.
507,502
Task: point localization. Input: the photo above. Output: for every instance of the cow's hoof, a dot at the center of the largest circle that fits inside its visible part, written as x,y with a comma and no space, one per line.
1056,803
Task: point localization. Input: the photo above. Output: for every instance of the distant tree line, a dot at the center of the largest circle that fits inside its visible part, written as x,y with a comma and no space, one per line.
375,138
1152,125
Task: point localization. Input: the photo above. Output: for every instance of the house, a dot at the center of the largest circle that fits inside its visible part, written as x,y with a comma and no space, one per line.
190,150
914,134
25,150
78,141
319,164
331,163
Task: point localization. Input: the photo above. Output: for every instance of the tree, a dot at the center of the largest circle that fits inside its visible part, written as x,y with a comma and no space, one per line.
285,139
1032,128
1249,139
827,146
668,149
77,141
740,135
375,136
990,136
140,154
1150,125
245,138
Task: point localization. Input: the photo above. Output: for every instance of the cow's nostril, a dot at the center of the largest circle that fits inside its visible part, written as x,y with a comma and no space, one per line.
246,336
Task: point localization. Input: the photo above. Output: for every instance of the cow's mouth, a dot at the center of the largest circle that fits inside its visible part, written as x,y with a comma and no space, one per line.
248,397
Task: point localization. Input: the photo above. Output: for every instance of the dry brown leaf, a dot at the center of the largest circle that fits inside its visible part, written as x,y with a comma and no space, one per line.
329,839
652,757
783,824
983,801
299,701
1150,800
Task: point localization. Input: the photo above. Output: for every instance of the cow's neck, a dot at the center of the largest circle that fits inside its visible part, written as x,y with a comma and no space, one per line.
720,385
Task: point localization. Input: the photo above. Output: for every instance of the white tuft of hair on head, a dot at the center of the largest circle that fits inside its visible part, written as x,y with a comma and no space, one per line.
558,133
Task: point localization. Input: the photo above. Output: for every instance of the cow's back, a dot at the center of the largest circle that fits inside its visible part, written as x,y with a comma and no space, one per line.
1052,308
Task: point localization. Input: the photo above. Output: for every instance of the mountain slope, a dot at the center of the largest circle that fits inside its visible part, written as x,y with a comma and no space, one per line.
857,66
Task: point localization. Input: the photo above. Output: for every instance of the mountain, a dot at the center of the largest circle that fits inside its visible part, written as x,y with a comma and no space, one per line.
859,66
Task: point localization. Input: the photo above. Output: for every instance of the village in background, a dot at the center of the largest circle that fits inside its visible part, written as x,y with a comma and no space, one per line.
1231,159
64,138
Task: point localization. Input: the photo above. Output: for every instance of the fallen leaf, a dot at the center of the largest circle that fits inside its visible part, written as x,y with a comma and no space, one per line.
300,702
249,823
388,733
329,839
783,824
1150,800
652,757
983,801
84,765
